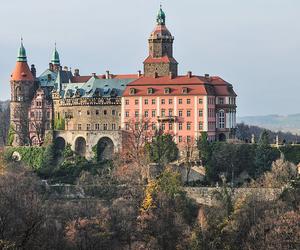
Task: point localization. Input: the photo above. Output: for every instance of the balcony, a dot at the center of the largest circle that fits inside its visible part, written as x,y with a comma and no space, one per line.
170,118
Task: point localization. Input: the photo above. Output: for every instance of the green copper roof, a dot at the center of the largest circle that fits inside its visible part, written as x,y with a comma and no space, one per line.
161,17
55,57
22,53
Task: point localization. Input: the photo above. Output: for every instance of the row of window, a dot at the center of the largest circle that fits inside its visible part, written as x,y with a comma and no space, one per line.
97,112
163,113
163,126
38,114
163,101
98,126
167,91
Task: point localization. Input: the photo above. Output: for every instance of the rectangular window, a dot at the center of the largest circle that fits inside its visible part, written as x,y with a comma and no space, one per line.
200,101
180,126
221,100
113,126
200,125
188,138
105,112
188,126
97,126
200,113
163,113
188,101
163,126
127,114
180,113
162,101
170,126
170,112
88,112
126,102
136,114
180,101
136,102
170,101
113,112
150,91
127,126
153,126
146,101
146,113
180,138
105,126
153,113
97,112
79,126
188,113
153,101
88,127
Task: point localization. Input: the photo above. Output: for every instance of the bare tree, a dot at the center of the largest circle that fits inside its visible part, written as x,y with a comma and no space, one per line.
136,137
189,148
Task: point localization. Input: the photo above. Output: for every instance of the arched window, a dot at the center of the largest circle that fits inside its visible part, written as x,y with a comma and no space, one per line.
221,119
19,96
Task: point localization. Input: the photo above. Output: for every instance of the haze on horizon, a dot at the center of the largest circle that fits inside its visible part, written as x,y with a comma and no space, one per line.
254,45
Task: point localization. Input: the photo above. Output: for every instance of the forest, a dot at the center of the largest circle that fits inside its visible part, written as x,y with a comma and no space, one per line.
129,209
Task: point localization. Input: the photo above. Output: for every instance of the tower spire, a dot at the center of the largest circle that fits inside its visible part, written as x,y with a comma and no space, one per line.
22,53
55,56
161,16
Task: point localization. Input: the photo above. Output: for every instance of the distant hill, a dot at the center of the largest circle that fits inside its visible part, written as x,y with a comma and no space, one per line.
287,123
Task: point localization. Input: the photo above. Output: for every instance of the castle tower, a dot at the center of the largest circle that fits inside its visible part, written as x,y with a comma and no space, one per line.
160,61
55,61
22,91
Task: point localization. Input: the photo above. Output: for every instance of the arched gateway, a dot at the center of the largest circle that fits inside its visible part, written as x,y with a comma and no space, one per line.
80,146
105,149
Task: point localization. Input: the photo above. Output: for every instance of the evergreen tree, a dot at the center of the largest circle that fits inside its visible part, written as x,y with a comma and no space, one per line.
264,154
163,149
204,148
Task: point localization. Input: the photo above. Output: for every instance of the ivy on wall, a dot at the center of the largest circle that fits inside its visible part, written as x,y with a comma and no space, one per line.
59,124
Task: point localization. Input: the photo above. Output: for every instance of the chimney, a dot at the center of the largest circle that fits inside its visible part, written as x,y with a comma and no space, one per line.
171,75
107,75
51,66
189,74
94,74
206,76
139,74
66,68
33,70
155,75
76,72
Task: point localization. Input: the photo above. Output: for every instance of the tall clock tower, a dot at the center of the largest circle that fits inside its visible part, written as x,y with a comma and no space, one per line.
160,61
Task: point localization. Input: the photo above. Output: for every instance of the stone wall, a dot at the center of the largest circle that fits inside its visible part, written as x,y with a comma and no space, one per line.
206,195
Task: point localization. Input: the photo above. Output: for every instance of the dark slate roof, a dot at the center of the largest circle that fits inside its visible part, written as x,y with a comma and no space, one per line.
95,87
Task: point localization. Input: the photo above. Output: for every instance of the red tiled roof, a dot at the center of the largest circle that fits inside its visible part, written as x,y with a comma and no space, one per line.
197,85
164,59
160,30
21,72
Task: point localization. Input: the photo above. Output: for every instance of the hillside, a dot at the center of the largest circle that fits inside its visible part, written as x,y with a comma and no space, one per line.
288,123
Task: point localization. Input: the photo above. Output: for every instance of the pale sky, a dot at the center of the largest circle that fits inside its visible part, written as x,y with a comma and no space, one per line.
254,44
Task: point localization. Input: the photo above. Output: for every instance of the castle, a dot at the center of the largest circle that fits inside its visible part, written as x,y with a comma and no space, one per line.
96,110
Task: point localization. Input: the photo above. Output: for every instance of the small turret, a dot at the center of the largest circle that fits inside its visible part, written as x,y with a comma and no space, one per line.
55,61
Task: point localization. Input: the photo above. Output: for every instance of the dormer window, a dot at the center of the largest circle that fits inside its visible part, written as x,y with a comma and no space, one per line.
150,91
167,90
132,91
184,90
